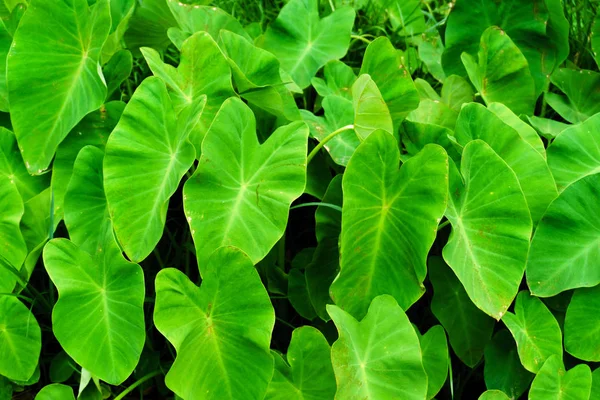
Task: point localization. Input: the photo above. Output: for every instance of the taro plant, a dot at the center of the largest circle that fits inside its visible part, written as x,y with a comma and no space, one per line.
299,200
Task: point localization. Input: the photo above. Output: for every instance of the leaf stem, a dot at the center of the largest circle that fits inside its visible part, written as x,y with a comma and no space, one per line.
136,384
323,142
361,38
318,204
443,225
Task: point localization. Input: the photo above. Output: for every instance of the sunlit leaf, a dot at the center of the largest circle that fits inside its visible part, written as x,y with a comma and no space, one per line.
582,324
553,382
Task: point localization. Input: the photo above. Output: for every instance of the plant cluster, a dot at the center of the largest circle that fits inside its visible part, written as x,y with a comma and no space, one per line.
349,199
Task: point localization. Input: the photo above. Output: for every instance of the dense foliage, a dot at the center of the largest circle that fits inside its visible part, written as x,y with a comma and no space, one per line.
349,199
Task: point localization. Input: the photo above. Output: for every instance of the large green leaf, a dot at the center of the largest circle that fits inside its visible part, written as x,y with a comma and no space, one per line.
554,383
86,211
534,26
303,42
501,73
502,369
565,248
100,302
146,156
13,168
526,132
389,222
469,329
309,375
13,248
20,340
202,71
575,152
535,178
55,391
491,226
535,330
581,99
436,358
221,331
55,50
383,63
582,324
241,191
378,357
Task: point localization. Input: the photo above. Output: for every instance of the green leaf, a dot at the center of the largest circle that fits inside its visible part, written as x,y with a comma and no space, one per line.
100,302
575,152
434,349
502,369
93,130
554,383
117,71
120,14
148,25
501,73
595,394
491,227
582,324
338,80
431,49
370,110
456,91
535,178
581,99
469,329
494,395
535,27
86,212
13,248
6,388
13,168
546,127
389,222
416,135
535,330
309,375
62,367
55,391
226,323
147,154
382,62
20,340
434,112
61,61
297,291
202,71
378,357
36,226
565,247
241,191
526,132
303,42
6,39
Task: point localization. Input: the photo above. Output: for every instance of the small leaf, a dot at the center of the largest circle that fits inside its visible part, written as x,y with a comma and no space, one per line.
564,250
55,391
553,382
61,62
535,330
13,248
146,156
389,222
20,340
309,375
338,80
434,348
494,395
226,323
378,357
581,99
582,324
241,191
469,329
303,42
370,110
100,302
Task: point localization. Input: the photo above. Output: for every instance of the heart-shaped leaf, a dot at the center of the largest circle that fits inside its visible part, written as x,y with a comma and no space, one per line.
100,301
226,323
378,357
241,191
309,375
370,110
501,73
61,62
564,250
20,340
575,152
582,324
581,99
535,330
553,382
469,329
146,156
434,349
491,226
389,222
338,79
303,42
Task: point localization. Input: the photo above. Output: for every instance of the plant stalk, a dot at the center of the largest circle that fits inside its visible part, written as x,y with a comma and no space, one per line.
323,142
